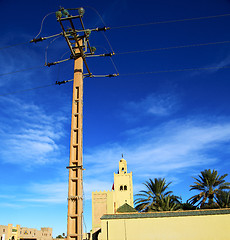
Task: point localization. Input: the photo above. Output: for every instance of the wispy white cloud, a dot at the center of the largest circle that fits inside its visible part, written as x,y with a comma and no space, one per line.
158,105
216,66
31,136
172,147
47,193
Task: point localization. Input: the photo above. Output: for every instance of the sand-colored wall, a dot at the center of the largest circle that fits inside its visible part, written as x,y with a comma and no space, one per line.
19,232
123,196
102,203
163,227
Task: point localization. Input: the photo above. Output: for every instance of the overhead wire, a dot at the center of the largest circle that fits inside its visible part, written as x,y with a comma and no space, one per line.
127,26
113,63
170,21
131,52
22,70
176,70
14,45
34,88
23,43
42,23
174,47
46,50
104,25
125,74
95,10
28,89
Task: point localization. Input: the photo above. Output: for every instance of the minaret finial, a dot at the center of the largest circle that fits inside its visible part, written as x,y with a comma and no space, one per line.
122,155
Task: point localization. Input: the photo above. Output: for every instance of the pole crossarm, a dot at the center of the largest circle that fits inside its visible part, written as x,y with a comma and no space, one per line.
75,35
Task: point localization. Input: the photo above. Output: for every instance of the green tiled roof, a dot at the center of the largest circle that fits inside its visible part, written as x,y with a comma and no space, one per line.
129,215
126,208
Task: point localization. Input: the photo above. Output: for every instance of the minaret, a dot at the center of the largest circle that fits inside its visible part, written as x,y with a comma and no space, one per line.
123,186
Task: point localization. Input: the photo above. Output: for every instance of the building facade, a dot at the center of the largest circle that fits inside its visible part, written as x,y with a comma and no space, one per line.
179,225
107,202
10,232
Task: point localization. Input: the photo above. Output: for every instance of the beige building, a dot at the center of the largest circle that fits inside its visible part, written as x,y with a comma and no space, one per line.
10,232
107,202
180,225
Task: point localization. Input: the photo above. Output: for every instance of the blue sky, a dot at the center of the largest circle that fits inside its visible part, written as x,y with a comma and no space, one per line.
173,122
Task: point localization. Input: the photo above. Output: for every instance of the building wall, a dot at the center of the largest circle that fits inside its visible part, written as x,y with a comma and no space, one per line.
189,225
102,203
19,232
123,189
107,202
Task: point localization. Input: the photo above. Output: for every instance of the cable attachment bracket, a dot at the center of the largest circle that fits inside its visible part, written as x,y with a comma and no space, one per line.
35,40
102,29
50,64
112,75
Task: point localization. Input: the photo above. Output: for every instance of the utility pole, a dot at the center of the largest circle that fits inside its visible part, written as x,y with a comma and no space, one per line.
78,43
75,193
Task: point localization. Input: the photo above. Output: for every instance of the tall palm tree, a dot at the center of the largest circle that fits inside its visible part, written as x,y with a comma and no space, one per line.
209,184
223,199
167,203
155,190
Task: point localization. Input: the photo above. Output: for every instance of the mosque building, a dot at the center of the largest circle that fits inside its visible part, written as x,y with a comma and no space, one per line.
108,202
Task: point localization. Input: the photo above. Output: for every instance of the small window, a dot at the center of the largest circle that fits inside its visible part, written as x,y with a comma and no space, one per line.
125,187
4,230
122,169
121,188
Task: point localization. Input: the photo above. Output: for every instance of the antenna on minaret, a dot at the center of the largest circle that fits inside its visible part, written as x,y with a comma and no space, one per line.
122,155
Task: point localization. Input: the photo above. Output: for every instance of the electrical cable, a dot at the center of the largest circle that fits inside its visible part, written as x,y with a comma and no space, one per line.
22,70
59,66
97,14
124,74
28,89
176,70
43,86
128,26
174,47
13,45
42,23
108,41
171,21
46,50
83,208
114,65
23,43
104,25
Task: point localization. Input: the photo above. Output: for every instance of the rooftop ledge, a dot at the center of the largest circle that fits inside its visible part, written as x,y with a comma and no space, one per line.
167,214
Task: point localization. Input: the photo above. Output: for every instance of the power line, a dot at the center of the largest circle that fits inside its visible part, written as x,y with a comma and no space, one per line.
174,47
42,23
171,21
175,70
22,70
13,45
28,89
125,74
134,25
131,52
43,86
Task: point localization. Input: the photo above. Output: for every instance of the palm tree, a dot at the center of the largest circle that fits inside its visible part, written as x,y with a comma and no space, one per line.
223,199
167,203
155,190
209,184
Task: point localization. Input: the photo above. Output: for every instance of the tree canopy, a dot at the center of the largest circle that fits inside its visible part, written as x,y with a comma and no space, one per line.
209,184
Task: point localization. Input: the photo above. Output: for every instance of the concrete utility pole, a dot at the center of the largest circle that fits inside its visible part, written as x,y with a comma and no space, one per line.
78,43
75,194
